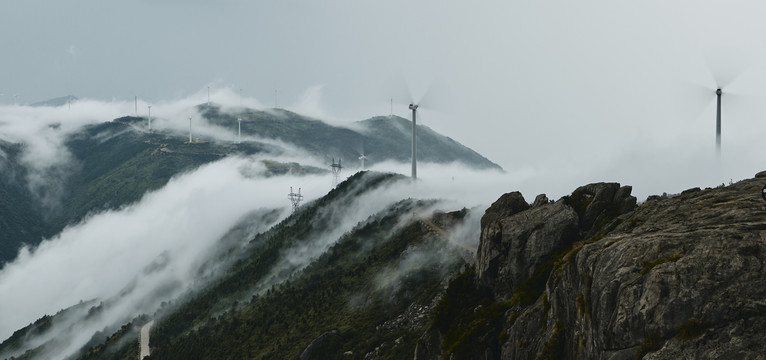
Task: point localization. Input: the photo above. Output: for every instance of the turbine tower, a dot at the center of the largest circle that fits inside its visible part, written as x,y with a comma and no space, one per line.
362,157
718,93
414,109
190,133
335,172
149,119
294,198
239,130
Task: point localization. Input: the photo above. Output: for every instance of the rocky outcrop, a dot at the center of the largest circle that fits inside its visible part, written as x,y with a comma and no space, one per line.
517,239
681,277
512,247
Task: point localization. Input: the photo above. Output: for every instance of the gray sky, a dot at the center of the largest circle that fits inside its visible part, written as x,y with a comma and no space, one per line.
556,92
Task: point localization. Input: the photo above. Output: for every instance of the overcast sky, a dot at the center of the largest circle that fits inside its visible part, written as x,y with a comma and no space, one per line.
559,91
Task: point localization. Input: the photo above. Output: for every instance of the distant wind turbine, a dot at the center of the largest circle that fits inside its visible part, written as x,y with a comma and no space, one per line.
149,118
414,108
190,130
718,94
719,90
362,157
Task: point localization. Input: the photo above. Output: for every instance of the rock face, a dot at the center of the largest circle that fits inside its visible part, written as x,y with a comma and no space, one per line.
512,247
516,239
678,278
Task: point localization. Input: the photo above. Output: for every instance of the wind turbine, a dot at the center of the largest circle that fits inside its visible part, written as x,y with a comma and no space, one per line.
239,130
414,108
733,97
718,94
362,157
190,133
149,118
720,85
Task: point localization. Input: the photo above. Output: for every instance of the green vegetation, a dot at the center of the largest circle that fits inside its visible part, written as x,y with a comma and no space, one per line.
554,348
649,265
15,342
691,329
21,218
242,315
114,165
649,345
383,137
634,222
468,317
121,345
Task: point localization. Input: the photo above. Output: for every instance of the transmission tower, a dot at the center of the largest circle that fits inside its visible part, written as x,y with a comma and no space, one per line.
295,198
335,172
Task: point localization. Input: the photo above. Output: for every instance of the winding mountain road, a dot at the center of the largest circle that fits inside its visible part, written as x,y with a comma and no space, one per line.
145,340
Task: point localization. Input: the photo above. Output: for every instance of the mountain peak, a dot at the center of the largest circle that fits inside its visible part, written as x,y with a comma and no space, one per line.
55,102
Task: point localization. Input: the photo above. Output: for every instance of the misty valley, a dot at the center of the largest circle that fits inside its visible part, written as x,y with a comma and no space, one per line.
182,236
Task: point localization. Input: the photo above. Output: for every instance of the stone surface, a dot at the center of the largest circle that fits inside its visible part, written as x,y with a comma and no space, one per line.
512,248
540,200
507,205
681,278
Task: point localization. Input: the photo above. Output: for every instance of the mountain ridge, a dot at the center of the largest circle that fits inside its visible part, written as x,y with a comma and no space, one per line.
118,161
593,274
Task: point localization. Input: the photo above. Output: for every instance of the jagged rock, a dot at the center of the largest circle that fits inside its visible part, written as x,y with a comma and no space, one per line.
689,191
679,278
511,248
599,203
760,174
507,205
429,346
540,200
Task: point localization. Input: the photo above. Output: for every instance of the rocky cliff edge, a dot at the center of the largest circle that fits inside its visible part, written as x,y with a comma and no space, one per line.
594,276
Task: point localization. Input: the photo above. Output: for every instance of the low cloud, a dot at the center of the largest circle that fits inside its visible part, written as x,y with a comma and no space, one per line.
147,252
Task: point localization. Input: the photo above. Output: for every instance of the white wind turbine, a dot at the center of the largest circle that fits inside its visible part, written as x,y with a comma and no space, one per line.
190,130
362,157
734,98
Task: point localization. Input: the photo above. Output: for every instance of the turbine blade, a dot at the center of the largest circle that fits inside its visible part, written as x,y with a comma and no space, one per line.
398,90
438,96
726,70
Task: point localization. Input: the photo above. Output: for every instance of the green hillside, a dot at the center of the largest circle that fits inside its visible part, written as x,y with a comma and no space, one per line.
340,297
117,162
369,293
115,165
21,219
380,138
